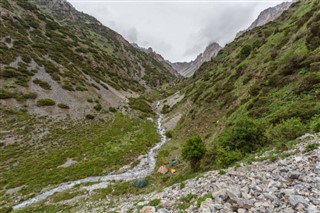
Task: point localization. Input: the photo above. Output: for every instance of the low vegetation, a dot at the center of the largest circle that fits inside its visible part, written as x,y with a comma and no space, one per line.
141,105
43,84
63,106
46,102
97,147
193,151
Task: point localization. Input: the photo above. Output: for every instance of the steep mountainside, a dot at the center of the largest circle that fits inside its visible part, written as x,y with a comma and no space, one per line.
260,90
70,58
266,16
159,58
187,69
74,98
143,68
249,103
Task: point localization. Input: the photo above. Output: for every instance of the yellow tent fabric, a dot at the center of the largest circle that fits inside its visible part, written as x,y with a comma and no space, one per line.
173,171
163,169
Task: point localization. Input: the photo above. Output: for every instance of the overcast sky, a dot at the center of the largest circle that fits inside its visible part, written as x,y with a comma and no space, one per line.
179,31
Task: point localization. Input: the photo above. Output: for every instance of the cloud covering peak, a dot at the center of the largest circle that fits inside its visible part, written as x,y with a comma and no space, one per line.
177,30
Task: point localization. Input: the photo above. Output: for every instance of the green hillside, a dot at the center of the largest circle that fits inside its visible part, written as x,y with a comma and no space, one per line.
69,90
261,90
77,100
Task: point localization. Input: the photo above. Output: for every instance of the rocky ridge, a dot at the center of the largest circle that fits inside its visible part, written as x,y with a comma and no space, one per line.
187,69
288,185
266,16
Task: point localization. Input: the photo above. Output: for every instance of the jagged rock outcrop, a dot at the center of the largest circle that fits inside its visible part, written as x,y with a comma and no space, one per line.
290,184
266,16
187,69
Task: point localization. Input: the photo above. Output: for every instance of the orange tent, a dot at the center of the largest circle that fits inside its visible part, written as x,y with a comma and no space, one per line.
163,169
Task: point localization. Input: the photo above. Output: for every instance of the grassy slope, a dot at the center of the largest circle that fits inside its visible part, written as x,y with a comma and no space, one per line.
98,147
271,84
279,79
29,160
69,52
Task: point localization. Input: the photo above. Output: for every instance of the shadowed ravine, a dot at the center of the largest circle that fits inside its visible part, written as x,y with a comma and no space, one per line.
144,168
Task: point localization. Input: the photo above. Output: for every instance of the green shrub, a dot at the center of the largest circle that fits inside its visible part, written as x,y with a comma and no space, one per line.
313,37
305,110
222,172
185,202
244,135
308,83
4,94
31,95
154,202
311,147
46,102
98,107
43,84
9,72
286,130
140,104
182,185
89,116
68,87
63,106
226,157
169,134
112,109
203,198
315,124
245,51
193,151
165,109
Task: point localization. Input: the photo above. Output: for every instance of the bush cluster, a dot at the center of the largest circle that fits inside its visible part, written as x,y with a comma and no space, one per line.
286,130
140,104
46,102
43,84
63,106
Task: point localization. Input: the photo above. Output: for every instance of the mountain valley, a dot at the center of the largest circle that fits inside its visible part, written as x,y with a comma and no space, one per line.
84,114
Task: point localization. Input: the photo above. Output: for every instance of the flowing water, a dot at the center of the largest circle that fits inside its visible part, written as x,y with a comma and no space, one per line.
143,169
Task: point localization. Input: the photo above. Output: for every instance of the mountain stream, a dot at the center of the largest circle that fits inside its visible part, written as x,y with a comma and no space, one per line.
143,169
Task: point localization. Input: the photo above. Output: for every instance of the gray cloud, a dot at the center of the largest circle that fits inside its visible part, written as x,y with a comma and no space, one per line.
178,31
132,35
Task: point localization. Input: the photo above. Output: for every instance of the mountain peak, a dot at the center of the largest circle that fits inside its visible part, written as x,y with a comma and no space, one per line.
187,69
267,15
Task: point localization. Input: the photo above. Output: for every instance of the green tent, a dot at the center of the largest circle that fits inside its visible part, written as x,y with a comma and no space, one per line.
140,183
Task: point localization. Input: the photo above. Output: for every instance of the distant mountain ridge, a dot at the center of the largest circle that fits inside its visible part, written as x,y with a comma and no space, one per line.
187,69
266,16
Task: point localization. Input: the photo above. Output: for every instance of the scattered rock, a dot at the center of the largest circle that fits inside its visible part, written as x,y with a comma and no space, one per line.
163,210
207,206
294,200
148,209
220,194
294,175
245,203
288,186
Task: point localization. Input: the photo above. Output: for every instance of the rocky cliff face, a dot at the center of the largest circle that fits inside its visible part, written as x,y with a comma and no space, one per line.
187,69
266,16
